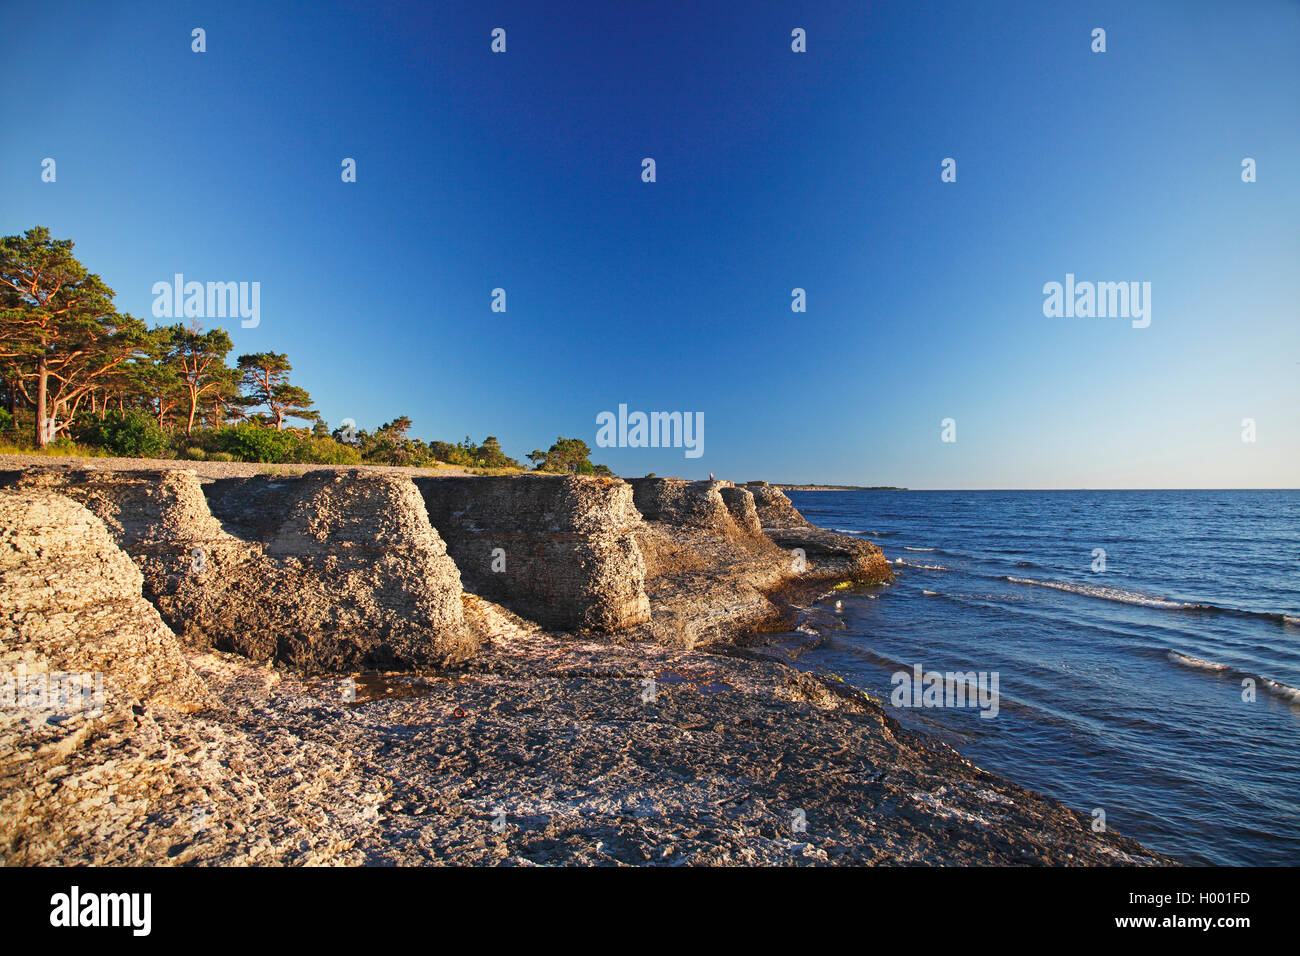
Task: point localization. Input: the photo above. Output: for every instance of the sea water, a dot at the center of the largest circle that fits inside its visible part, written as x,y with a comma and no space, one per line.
1146,644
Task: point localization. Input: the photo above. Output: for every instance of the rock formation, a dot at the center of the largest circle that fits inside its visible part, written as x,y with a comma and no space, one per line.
714,565
685,504
774,507
345,570
326,572
826,554
740,502
84,659
560,551
73,604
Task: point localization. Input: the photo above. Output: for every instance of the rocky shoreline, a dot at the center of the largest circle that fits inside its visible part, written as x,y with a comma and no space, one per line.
363,666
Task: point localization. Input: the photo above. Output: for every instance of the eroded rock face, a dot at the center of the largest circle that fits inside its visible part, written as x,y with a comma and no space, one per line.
740,502
346,570
73,604
775,509
330,571
675,501
84,660
716,554
830,556
824,554
557,550
361,577
708,572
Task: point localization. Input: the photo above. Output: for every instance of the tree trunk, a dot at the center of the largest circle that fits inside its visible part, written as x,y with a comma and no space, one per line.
42,383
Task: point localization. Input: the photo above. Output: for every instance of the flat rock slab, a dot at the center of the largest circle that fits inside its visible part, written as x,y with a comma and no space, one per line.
547,751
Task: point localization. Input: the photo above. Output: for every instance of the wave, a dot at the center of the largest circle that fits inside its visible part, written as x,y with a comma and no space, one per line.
1285,691
1278,689
1195,662
1145,600
1283,619
1091,590
906,548
920,567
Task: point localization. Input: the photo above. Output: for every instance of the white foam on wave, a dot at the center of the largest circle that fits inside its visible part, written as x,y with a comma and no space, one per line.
906,548
1188,661
1145,600
1108,594
1285,691
1276,688
919,567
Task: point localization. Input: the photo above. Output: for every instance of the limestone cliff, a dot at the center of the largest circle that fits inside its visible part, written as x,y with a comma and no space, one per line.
346,570
73,603
713,565
326,572
560,551
825,553
84,662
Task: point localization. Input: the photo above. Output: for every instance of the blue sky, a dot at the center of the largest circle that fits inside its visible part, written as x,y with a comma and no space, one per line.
775,170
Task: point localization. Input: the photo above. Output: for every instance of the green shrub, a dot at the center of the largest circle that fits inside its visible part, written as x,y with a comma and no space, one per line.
133,434
323,450
195,453
208,439
221,456
249,442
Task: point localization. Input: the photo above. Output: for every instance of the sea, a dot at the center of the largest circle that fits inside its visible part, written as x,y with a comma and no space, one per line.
1146,648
